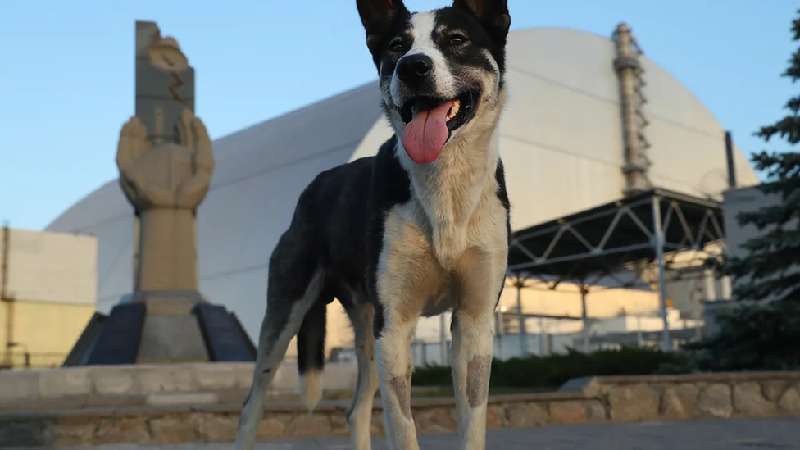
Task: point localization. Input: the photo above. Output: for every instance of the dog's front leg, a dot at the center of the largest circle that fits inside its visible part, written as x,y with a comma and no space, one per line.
473,328
407,276
395,365
471,365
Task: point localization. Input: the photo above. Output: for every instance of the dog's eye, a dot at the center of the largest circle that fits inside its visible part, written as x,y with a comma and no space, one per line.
457,39
397,44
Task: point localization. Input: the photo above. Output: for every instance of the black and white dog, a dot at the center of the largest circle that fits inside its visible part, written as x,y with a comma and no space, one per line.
416,230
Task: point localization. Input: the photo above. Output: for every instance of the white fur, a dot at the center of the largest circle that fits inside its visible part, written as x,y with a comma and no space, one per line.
422,26
454,209
448,189
311,388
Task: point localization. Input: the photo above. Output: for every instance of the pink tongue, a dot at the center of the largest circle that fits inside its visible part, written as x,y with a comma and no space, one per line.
426,134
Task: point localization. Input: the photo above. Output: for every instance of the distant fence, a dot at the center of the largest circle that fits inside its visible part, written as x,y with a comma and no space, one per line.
514,345
506,346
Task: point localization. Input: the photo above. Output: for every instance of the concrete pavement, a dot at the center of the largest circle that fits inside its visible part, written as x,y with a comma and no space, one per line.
732,434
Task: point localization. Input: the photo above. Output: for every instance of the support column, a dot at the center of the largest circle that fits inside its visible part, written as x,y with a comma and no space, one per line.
710,283
658,244
523,332
725,290
584,318
442,340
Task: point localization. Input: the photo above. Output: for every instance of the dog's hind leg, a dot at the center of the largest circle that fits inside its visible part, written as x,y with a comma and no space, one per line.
281,322
359,417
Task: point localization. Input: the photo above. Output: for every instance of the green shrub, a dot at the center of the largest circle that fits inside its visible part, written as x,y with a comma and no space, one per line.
550,372
753,336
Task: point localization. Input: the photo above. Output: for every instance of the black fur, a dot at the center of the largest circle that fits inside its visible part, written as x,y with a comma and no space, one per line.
469,54
311,338
502,195
338,227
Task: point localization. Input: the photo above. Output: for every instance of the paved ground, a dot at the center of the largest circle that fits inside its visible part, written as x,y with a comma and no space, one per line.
736,434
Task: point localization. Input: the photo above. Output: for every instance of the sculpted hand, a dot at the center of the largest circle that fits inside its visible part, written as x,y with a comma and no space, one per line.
165,175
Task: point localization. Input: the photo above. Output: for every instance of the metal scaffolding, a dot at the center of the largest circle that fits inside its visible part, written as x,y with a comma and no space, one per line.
620,238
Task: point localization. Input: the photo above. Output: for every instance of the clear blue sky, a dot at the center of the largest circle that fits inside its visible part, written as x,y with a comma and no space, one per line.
66,71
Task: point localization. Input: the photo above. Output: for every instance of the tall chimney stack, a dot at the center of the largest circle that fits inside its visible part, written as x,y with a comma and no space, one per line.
631,83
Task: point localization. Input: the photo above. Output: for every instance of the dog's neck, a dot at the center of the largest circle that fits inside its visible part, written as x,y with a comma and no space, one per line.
449,190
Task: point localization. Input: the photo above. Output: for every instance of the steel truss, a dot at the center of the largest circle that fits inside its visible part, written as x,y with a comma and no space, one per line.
616,242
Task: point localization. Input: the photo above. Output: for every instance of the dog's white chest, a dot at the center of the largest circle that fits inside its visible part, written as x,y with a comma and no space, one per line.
418,258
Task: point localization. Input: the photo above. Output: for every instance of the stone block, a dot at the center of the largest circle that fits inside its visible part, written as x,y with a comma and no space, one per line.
172,429
679,401
244,378
157,379
435,420
56,383
182,398
376,425
568,412
16,386
273,426
773,389
495,416
216,427
595,411
22,433
339,424
73,431
114,430
113,381
309,425
633,402
216,378
749,401
790,401
521,415
715,401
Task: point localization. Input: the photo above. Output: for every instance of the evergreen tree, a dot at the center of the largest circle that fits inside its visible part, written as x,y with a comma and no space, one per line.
763,330
770,270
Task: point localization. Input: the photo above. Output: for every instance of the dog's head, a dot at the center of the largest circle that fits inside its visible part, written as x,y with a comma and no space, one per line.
441,72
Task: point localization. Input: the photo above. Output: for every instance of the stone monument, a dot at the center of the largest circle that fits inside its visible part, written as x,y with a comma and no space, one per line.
165,162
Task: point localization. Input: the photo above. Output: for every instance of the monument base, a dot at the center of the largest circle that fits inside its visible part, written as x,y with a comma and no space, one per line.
162,327
171,333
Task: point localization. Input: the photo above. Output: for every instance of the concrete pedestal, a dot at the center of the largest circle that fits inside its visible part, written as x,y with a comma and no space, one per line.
171,333
163,327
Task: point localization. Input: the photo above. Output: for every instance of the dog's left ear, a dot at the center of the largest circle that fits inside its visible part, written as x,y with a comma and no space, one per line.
493,14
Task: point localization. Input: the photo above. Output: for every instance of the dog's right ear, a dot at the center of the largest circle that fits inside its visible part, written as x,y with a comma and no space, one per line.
376,15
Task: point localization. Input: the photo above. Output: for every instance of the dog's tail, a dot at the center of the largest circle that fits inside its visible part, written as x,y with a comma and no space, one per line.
311,354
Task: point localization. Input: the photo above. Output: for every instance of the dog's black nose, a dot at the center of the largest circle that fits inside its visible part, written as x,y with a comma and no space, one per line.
414,69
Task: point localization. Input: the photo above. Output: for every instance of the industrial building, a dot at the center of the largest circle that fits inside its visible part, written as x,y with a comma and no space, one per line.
48,288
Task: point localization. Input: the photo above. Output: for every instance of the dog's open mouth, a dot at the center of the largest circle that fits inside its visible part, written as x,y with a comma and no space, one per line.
430,121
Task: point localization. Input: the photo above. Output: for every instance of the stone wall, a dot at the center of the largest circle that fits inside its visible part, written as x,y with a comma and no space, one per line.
148,385
182,415
678,397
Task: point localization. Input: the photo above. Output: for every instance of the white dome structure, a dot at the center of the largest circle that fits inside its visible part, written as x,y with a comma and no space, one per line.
560,139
